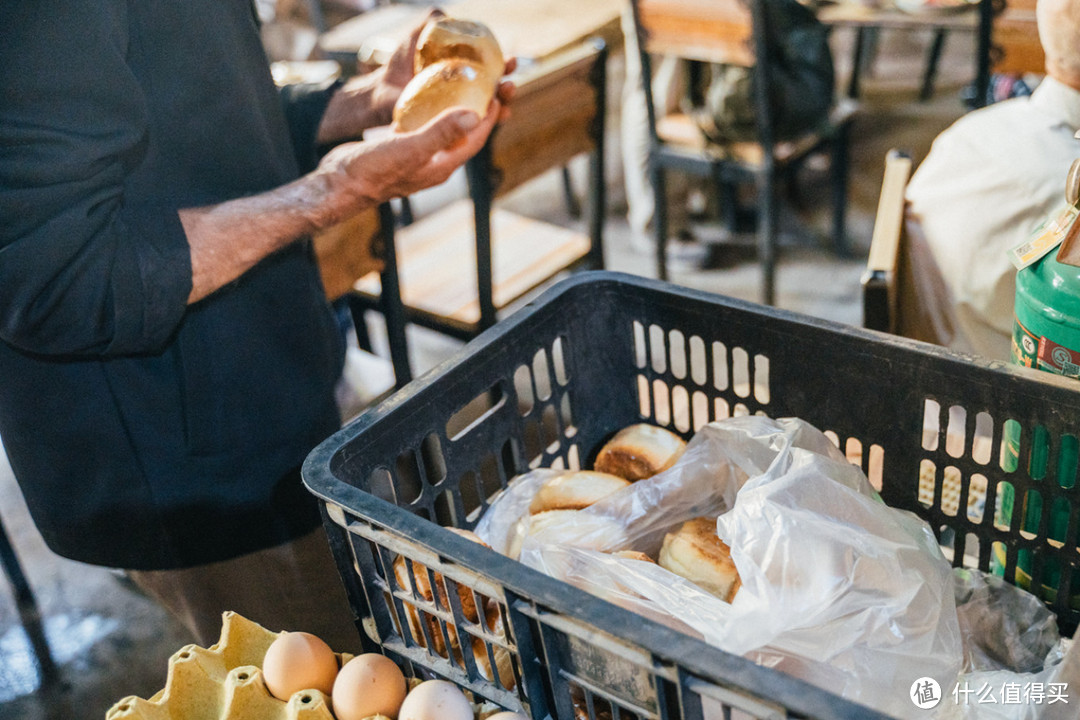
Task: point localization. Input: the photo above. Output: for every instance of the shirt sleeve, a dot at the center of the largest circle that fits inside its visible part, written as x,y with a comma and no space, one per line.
304,107
81,272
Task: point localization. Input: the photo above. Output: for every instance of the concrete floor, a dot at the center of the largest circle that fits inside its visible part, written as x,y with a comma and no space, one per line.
107,641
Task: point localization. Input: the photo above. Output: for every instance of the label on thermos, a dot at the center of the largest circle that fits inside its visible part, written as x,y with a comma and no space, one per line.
1042,353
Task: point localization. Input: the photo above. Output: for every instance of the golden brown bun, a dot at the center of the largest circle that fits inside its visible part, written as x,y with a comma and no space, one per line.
440,86
492,616
448,38
420,576
423,584
695,552
633,555
574,491
503,662
639,451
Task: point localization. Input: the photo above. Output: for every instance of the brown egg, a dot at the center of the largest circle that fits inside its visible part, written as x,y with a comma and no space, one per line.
298,661
369,684
436,700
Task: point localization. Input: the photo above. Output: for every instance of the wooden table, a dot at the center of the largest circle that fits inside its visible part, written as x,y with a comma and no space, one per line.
529,30
863,17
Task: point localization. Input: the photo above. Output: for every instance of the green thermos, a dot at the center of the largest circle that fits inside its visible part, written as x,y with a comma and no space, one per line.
1046,336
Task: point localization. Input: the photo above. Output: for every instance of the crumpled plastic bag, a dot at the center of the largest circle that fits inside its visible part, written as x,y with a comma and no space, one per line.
1015,660
1003,627
1049,694
837,588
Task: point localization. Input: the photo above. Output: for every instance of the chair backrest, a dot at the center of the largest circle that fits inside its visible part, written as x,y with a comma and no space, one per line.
716,31
903,290
727,32
1016,47
557,114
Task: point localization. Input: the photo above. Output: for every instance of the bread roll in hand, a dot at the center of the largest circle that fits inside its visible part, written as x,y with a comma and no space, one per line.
450,38
458,63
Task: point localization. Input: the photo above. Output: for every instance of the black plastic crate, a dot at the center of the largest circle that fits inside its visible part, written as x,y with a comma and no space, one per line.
549,385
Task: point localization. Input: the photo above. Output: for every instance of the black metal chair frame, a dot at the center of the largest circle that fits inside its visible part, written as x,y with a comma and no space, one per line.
483,188
726,171
27,607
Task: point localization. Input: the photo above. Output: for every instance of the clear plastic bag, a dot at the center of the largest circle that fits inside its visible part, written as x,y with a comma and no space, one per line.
1003,627
837,588
1014,657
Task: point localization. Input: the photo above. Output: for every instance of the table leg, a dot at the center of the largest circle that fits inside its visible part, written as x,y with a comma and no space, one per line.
982,55
857,61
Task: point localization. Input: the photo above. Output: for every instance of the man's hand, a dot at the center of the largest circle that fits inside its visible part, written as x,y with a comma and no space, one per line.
367,100
360,175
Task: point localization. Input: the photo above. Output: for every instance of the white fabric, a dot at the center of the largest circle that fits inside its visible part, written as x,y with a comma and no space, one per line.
667,87
987,181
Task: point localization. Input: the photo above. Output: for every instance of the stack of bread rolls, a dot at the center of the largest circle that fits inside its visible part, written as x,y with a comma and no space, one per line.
638,452
410,575
458,63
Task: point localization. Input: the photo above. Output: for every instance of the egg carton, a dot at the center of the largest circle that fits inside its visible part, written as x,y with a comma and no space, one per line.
224,682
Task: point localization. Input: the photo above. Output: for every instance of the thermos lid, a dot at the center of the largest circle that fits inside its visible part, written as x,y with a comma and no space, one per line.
1053,287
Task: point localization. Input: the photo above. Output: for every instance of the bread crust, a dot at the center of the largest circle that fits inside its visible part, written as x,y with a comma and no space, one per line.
448,38
438,87
694,551
575,490
639,451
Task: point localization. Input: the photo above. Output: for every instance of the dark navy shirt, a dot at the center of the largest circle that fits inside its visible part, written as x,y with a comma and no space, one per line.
145,433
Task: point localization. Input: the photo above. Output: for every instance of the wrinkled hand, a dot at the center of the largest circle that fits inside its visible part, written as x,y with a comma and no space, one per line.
363,174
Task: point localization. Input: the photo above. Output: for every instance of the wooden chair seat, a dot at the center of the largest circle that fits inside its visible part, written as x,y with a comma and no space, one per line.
437,260
679,131
344,253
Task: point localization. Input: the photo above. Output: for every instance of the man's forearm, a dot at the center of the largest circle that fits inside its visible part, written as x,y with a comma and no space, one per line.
228,239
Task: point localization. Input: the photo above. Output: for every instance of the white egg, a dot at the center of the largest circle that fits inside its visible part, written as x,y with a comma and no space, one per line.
436,700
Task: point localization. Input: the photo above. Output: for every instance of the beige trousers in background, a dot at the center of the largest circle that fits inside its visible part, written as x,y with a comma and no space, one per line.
667,87
294,587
